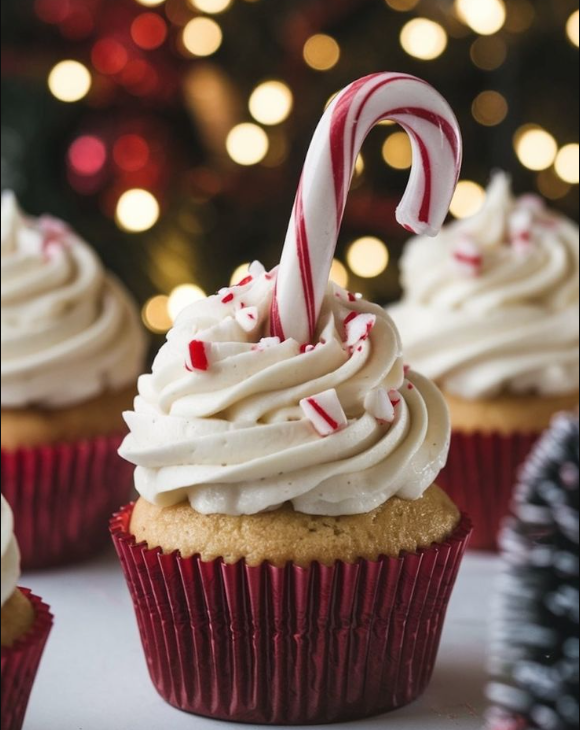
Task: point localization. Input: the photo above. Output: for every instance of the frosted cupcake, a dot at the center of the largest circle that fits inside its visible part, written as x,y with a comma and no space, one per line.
72,347
26,623
490,312
290,558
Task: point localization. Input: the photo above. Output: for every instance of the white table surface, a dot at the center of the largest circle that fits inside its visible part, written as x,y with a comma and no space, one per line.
93,674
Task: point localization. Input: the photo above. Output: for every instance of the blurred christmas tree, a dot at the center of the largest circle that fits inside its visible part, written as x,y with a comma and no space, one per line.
171,133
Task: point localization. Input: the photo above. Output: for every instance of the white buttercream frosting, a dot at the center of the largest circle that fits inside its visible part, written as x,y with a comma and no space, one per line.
70,331
9,552
243,436
491,305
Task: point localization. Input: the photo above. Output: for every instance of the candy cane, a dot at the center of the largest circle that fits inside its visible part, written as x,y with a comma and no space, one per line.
323,189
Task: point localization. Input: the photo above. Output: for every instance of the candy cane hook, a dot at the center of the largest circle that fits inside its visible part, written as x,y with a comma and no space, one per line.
321,198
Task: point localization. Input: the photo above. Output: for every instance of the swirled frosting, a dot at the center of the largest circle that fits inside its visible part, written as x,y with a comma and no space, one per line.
240,438
491,305
69,330
9,553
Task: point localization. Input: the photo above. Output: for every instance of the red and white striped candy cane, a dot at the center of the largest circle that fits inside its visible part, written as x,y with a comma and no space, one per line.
323,189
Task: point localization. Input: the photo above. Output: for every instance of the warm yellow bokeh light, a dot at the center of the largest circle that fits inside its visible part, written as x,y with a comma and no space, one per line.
485,17
150,3
368,257
202,36
247,144
271,102
520,16
181,297
551,186
240,272
567,163
212,7
490,108
397,151
155,314
536,149
489,52
321,52
468,199
423,39
69,81
338,273
359,165
573,29
402,5
137,210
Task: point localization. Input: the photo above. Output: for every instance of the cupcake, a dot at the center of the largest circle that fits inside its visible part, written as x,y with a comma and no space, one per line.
72,347
290,558
490,312
26,623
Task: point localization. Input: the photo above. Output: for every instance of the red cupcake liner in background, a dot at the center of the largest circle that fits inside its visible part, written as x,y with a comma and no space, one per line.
480,476
20,663
62,497
289,646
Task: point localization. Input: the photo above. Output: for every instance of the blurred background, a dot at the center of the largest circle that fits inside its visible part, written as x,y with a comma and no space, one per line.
171,133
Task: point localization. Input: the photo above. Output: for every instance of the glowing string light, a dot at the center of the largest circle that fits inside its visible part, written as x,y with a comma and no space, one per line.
69,81
137,210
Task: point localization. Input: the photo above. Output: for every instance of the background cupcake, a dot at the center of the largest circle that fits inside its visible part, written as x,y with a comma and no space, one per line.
26,623
72,346
490,312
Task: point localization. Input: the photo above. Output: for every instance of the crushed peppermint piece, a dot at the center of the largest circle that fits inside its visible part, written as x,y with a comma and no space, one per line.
245,281
406,369
306,348
256,268
358,327
395,397
198,355
410,386
379,405
468,257
247,318
325,412
228,298
265,343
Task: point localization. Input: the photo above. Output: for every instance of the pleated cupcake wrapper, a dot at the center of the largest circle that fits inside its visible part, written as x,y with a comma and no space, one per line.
480,476
62,497
20,663
289,645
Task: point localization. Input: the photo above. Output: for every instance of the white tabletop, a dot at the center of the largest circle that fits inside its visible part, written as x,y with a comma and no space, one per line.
93,674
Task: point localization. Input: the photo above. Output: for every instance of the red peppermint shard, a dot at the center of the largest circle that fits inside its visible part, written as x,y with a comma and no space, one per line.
198,356
358,326
468,257
325,412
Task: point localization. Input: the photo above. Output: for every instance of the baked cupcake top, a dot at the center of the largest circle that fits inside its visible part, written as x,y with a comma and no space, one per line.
9,552
491,305
70,331
238,422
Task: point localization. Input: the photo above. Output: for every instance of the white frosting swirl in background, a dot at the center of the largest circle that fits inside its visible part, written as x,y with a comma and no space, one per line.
512,329
234,440
70,331
9,552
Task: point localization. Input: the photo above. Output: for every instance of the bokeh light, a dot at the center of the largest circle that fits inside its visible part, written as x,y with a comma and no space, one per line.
535,147
359,165
271,102
567,163
211,6
87,155
490,108
239,273
551,186
148,31
109,56
402,5
155,314
181,297
321,52
423,39
69,81
397,151
485,17
338,273
150,3
368,257
520,16
202,36
131,152
573,28
489,52
247,144
468,199
137,210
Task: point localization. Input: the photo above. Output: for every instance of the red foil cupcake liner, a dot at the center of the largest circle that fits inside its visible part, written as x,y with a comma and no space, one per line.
20,663
291,645
481,472
62,497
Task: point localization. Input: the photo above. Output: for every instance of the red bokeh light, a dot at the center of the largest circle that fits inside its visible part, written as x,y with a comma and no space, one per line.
131,152
109,56
87,155
77,24
148,31
52,11
140,77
